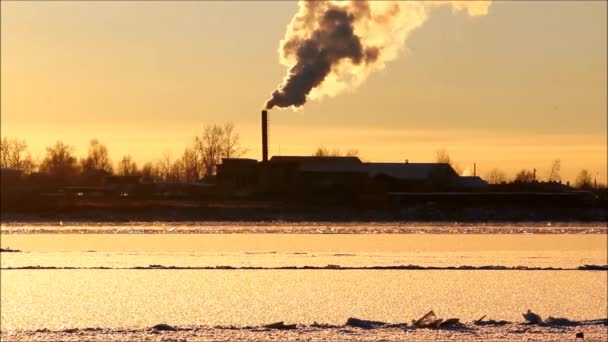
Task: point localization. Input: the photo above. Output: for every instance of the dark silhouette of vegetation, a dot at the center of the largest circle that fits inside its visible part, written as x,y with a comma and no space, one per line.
216,142
554,175
191,163
127,167
443,157
147,170
14,154
162,169
230,141
496,176
325,152
59,161
525,176
96,159
199,160
583,180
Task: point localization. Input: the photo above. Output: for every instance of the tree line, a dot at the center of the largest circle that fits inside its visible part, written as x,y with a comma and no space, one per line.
496,176
197,162
200,158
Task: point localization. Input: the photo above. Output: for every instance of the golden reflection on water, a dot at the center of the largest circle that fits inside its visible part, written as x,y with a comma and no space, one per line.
58,299
305,242
275,250
55,299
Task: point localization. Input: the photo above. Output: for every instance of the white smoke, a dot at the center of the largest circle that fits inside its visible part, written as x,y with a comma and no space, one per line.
331,46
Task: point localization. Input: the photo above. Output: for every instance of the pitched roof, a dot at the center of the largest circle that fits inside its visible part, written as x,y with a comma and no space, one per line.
402,171
470,182
406,171
322,164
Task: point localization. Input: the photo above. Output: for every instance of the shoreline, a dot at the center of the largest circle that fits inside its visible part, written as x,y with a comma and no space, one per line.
244,211
591,330
327,267
282,226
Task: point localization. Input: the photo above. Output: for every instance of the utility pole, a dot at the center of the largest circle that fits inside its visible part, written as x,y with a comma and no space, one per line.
534,179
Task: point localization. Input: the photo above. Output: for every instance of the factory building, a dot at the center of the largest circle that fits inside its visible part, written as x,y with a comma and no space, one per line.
338,176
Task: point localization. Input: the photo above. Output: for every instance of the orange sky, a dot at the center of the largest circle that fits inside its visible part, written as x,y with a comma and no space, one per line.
519,87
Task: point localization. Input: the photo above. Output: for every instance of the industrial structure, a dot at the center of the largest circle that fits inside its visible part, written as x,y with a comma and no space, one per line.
333,176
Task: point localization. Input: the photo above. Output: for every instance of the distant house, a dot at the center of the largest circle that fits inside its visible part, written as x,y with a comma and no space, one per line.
470,183
534,186
313,164
310,174
413,176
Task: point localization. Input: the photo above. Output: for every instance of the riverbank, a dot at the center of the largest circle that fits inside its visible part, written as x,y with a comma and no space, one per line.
282,226
594,330
251,211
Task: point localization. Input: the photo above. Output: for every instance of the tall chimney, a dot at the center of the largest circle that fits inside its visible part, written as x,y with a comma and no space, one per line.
264,136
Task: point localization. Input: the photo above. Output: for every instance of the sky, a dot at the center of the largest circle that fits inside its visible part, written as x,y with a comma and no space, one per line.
517,88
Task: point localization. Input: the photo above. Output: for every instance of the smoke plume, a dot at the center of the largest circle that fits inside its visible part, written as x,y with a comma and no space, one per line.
332,46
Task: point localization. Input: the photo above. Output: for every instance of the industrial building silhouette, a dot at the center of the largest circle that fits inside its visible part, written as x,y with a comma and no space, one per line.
333,176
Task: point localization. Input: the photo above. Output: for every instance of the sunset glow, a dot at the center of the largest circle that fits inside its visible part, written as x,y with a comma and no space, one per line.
144,77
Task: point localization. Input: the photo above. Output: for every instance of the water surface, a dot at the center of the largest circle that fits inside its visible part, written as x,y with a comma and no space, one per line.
57,299
275,250
306,227
115,297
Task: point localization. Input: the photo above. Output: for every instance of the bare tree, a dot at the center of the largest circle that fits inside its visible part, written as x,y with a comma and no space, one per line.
524,176
5,152
163,167
353,152
443,157
59,161
210,148
148,171
583,180
322,151
13,153
496,176
97,158
215,143
126,166
554,172
175,172
231,145
192,165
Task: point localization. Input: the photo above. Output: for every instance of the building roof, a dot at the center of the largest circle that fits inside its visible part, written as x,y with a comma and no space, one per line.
401,171
407,171
322,164
470,182
239,161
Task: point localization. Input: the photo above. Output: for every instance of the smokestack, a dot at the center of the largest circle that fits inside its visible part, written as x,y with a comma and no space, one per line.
264,136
